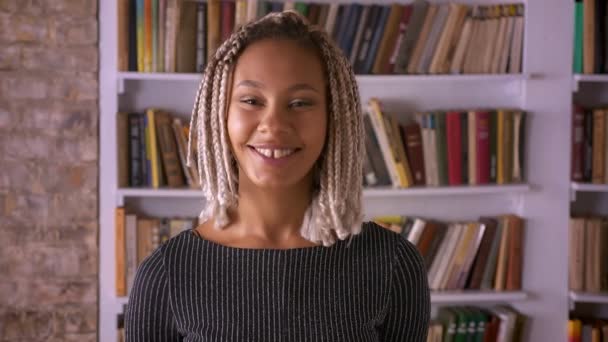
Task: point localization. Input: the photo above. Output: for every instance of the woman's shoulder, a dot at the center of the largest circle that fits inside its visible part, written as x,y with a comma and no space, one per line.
373,234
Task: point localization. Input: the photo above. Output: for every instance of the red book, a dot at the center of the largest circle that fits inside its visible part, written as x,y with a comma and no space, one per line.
413,144
483,147
578,146
454,145
405,19
227,19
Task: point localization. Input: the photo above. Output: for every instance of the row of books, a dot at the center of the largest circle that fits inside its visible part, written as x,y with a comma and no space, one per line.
120,325
590,145
587,330
455,324
152,151
416,38
486,254
590,33
441,148
588,261
136,238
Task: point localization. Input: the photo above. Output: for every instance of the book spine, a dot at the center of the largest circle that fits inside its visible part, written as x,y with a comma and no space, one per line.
413,143
155,27
442,158
135,170
121,282
493,147
464,147
483,147
132,23
148,36
201,28
598,147
454,147
588,147
123,146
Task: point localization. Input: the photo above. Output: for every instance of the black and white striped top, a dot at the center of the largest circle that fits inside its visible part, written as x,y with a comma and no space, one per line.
193,289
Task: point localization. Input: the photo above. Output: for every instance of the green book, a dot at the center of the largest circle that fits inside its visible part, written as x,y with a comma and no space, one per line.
301,8
442,157
448,319
462,325
578,37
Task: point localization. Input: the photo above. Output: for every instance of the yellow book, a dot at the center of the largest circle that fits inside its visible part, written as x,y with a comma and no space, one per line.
501,264
152,148
376,117
121,272
500,146
397,146
393,219
392,153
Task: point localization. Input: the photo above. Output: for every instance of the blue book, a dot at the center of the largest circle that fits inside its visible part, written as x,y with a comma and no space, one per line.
351,29
375,43
368,33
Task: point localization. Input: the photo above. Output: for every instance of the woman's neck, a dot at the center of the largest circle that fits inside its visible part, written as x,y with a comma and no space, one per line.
274,215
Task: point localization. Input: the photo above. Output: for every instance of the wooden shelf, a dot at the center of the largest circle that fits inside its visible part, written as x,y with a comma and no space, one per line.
577,79
369,193
586,297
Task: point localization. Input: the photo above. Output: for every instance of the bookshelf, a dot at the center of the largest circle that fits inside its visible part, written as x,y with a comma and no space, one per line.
542,201
585,297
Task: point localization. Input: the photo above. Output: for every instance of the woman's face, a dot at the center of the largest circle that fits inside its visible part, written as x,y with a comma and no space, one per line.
277,113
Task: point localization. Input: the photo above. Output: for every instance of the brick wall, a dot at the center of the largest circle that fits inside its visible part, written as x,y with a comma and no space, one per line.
48,170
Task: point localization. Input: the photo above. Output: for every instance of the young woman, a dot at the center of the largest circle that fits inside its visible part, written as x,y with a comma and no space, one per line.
281,253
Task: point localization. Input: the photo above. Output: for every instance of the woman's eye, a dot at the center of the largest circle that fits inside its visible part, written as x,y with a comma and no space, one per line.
250,101
298,103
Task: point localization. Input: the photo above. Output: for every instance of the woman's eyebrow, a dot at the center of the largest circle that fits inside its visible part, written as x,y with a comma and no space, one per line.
250,83
259,85
303,86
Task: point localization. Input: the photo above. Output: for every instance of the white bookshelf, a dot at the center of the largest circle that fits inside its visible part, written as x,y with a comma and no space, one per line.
543,201
588,187
587,297
577,79
476,297
368,193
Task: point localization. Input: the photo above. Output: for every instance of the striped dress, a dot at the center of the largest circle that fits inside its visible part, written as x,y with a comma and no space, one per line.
373,288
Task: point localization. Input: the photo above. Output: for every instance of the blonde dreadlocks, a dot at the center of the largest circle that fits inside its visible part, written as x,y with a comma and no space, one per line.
336,205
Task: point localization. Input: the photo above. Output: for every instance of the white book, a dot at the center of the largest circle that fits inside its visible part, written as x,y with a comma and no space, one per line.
416,231
252,10
516,46
380,132
504,58
441,252
499,42
447,260
462,46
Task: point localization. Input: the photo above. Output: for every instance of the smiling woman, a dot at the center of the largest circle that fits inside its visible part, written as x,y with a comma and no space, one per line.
278,122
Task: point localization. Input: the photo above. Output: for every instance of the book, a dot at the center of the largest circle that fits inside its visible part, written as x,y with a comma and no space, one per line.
185,57
121,282
168,150
122,142
412,135
418,16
